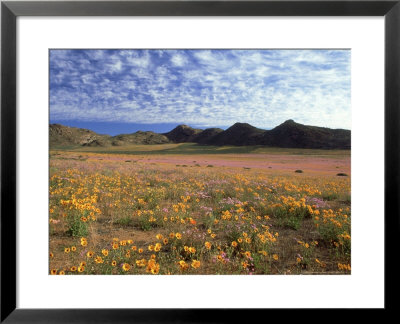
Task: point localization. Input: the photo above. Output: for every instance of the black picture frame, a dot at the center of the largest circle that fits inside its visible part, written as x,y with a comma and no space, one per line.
10,10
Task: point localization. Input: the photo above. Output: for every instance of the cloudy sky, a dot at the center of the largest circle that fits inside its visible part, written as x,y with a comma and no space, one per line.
122,91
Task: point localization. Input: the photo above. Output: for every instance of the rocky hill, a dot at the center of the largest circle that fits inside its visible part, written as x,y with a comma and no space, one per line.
239,134
61,135
182,134
139,137
289,135
295,135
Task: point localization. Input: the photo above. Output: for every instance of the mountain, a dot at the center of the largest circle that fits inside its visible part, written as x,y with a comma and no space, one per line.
61,135
239,134
182,134
139,137
207,135
288,134
295,135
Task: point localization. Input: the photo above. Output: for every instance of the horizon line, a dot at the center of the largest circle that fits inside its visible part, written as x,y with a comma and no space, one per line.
171,129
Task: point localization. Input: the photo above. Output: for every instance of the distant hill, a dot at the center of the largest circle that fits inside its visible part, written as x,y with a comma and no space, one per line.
295,135
182,134
61,135
139,137
207,135
239,134
289,135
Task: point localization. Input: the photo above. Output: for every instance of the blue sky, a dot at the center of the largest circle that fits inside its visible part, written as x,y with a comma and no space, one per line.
122,91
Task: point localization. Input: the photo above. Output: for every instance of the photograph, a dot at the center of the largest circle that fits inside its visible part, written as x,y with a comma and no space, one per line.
199,161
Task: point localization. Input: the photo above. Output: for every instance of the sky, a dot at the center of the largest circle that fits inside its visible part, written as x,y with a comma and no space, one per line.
122,91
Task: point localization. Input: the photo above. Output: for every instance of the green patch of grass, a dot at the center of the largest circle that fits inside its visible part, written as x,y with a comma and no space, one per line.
76,227
124,221
197,149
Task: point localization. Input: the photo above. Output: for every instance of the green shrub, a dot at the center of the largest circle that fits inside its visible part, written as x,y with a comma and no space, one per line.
77,227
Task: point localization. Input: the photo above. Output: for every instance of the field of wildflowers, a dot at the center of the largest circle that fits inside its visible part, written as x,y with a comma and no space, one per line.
129,214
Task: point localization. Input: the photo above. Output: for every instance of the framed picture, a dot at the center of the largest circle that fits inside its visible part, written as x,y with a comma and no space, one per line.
172,150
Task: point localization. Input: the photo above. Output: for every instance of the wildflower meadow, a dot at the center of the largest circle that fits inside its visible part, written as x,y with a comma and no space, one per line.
112,213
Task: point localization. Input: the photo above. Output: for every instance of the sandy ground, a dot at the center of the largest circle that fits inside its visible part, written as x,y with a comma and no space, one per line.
260,161
330,164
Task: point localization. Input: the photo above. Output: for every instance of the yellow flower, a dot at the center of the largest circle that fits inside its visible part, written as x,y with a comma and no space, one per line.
195,264
165,241
126,266
83,264
115,246
73,269
83,241
73,248
234,244
81,268
53,272
171,235
113,263
183,265
247,254
90,254
275,257
192,250
62,272
133,248
141,263
98,259
153,267
105,252
51,255
140,250
151,247
207,245
67,250
159,237
213,235
178,236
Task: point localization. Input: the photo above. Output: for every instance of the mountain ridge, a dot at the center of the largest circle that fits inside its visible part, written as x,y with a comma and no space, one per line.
289,134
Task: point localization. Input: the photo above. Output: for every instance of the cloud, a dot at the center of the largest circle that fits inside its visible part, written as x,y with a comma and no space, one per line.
178,60
202,87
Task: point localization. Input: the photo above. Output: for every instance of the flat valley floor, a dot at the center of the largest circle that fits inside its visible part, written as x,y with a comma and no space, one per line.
185,209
